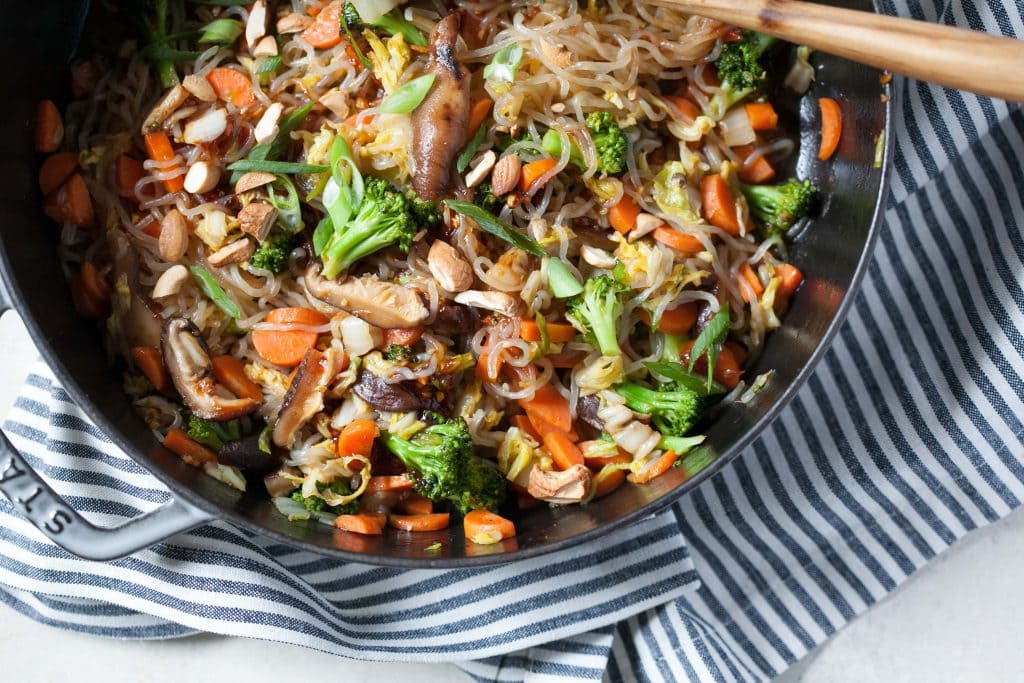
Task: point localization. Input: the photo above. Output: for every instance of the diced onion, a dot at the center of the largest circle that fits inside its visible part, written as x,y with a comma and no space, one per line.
374,9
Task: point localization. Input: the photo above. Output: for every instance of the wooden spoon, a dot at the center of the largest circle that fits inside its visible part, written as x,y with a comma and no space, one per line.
953,57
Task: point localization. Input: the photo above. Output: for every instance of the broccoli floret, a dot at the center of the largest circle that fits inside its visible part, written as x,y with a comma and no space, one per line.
444,466
596,312
391,23
426,215
213,434
609,141
397,352
673,409
779,207
740,70
273,254
314,504
383,219
485,199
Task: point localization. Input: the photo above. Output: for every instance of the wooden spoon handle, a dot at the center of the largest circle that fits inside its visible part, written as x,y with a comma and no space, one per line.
953,57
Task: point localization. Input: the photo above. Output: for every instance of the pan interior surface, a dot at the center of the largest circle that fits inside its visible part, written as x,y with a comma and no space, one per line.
831,252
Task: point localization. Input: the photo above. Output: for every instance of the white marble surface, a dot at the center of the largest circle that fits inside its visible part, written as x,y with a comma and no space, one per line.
956,620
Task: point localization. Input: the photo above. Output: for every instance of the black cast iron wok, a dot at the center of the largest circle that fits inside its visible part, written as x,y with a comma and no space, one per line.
36,42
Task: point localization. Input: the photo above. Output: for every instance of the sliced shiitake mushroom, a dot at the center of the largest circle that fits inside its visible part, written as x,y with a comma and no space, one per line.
305,395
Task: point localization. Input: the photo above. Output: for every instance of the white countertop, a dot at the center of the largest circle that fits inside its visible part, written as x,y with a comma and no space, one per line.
956,620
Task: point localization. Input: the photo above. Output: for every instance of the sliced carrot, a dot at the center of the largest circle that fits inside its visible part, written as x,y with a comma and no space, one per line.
151,364
379,518
287,347
750,277
85,305
737,350
685,106
55,170
605,483
542,427
680,241
71,203
563,451
356,438
485,527
622,216
230,372
49,127
790,277
662,465
524,424
565,359
192,452
232,86
403,336
432,522
718,204
415,504
676,320
159,148
479,111
127,172
367,525
559,333
325,31
727,370
392,482
532,172
482,371
762,115
93,284
831,127
759,171
548,406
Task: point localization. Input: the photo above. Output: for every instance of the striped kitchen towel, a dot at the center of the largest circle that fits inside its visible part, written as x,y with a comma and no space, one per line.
908,436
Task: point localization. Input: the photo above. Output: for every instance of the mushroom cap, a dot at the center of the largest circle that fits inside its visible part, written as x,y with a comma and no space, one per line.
305,395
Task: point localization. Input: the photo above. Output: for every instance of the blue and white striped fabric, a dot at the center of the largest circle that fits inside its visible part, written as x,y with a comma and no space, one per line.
908,436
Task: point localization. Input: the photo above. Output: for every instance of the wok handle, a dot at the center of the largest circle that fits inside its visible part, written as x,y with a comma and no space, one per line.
20,483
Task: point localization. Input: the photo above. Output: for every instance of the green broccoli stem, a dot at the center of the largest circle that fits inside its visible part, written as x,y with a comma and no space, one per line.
607,336
552,145
680,445
349,245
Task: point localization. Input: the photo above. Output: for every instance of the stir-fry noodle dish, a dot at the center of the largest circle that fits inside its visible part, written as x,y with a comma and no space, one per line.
389,263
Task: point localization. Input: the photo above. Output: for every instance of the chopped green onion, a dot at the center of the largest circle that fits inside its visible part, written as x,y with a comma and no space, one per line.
221,32
710,341
352,40
497,227
212,289
322,234
264,440
562,282
266,66
542,326
504,64
279,145
289,210
394,23
162,53
246,165
407,97
681,376
467,154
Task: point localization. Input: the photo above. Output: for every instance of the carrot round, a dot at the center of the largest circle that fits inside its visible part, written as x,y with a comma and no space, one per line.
548,405
403,336
485,527
192,452
727,369
831,127
151,364
93,284
479,111
230,372
49,127
368,525
127,172
680,241
55,170
393,482
559,333
414,504
563,451
532,172
686,107
790,277
232,86
676,320
762,115
605,483
287,347
159,148
356,438
748,275
325,31
759,171
72,203
432,522
718,204
622,216
662,465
